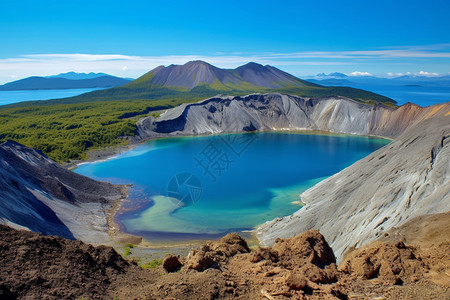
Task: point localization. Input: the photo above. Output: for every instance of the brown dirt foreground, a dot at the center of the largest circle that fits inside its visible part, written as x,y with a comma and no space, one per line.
33,266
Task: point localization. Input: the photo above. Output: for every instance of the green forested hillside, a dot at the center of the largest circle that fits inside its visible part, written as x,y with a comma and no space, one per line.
204,91
67,131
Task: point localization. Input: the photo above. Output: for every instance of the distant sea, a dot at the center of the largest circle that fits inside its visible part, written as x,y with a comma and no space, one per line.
420,95
8,97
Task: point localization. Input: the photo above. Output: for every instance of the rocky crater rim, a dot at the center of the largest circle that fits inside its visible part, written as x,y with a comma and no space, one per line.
41,181
172,122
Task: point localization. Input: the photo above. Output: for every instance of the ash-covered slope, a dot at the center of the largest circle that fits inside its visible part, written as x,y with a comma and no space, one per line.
191,74
267,76
39,194
405,179
259,112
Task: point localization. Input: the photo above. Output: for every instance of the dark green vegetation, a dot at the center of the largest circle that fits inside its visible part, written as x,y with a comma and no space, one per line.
153,264
65,129
127,250
210,90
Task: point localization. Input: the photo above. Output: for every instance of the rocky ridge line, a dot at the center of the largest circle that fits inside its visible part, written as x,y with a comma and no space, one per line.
264,112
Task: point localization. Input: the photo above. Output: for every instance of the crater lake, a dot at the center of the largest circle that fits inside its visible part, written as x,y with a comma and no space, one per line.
190,188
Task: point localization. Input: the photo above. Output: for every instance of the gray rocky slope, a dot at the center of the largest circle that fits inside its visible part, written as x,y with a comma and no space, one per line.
259,112
39,194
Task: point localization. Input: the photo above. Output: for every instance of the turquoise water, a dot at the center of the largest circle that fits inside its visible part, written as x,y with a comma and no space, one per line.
246,179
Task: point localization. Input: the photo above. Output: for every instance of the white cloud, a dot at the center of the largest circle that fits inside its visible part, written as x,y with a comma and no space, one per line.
134,66
427,51
393,74
420,73
426,74
357,73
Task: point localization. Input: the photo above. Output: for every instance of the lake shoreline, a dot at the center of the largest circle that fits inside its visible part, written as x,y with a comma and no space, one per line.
111,152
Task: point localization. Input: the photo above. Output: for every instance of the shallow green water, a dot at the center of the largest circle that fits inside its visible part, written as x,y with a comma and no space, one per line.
225,183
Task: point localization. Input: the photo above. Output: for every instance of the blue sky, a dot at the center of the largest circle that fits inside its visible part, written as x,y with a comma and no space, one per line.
128,38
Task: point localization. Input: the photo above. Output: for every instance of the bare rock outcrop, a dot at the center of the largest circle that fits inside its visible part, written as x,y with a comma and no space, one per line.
171,263
390,263
37,267
216,252
308,247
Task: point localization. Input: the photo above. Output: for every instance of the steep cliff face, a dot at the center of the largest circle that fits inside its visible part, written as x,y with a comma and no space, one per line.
39,194
405,179
283,112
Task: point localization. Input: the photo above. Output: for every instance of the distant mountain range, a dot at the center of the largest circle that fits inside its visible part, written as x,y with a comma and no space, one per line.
341,79
331,75
70,80
78,76
197,80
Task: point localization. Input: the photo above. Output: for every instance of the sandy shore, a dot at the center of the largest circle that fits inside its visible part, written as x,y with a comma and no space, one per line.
145,250
100,155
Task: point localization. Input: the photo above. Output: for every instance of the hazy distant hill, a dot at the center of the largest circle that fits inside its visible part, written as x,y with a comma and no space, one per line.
331,75
56,82
78,76
341,79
